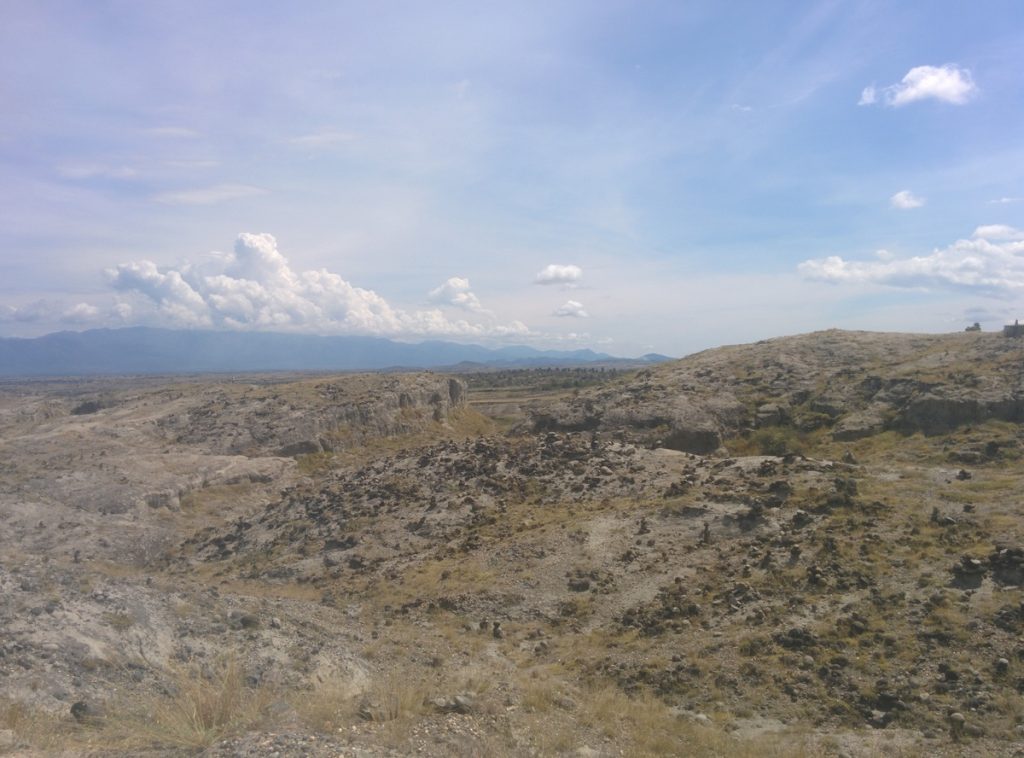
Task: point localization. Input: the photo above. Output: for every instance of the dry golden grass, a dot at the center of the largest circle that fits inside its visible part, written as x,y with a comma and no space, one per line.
645,726
328,706
38,728
340,702
198,708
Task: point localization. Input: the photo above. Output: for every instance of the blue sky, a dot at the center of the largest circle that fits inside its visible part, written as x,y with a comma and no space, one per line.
626,176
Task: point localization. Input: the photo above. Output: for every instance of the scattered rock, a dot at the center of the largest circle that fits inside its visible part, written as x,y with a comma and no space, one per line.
84,712
464,702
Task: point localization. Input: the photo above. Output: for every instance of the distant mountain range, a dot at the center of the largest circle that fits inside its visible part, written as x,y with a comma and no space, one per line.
142,350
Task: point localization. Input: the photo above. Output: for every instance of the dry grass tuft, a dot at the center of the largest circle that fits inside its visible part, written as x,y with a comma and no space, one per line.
650,728
337,703
199,708
33,726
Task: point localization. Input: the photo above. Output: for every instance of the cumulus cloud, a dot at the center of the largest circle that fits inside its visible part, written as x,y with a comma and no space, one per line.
998,232
991,263
555,273
218,193
905,200
948,84
52,312
80,313
456,292
571,309
38,310
254,287
1004,200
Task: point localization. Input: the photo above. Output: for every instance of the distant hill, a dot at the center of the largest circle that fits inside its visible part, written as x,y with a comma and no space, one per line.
142,350
655,358
843,385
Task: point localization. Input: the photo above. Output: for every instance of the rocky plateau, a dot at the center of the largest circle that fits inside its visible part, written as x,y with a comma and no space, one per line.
811,545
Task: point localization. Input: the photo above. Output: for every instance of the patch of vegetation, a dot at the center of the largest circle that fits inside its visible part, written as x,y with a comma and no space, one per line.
773,440
200,706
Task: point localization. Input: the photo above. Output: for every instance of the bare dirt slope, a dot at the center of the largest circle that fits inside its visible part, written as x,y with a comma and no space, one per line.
808,546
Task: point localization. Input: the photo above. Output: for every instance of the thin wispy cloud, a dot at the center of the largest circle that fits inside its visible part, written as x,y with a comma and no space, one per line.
173,132
949,84
906,200
322,139
218,193
96,170
191,164
556,273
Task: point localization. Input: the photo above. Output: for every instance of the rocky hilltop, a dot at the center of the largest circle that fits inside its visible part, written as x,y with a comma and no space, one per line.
854,384
805,546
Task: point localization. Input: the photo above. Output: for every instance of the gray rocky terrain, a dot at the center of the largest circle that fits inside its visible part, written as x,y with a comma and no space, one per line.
855,383
806,546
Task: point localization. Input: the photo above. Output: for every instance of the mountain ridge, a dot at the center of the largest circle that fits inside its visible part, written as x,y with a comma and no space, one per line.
146,350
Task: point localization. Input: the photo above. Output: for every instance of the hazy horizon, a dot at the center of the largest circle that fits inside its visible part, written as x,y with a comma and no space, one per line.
630,179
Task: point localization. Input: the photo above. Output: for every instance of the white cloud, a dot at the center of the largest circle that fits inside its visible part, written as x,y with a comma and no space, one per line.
998,232
122,312
52,312
176,298
905,200
254,287
456,291
1004,200
555,273
81,313
323,139
948,83
991,262
571,309
218,193
38,310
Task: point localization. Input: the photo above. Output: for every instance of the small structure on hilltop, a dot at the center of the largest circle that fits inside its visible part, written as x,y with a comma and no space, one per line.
1013,330
975,327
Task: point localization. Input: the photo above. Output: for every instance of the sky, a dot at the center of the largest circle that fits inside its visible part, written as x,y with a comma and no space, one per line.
625,176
